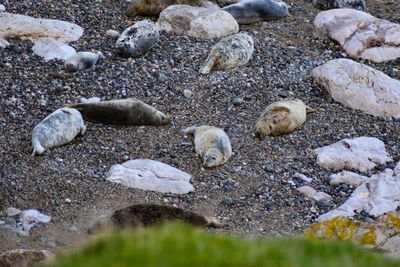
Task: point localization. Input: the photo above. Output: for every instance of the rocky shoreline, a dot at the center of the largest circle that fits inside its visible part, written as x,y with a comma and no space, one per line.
254,193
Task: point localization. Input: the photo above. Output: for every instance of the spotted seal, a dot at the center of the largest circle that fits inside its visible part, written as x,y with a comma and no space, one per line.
211,144
129,111
251,11
231,51
281,117
331,4
154,7
137,39
57,129
81,61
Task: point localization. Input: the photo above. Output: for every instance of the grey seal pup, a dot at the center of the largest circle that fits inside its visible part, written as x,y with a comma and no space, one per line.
281,117
251,11
129,111
331,4
211,144
231,51
81,61
137,39
57,129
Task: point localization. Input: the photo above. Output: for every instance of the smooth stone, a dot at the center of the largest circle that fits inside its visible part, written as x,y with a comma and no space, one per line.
152,175
49,49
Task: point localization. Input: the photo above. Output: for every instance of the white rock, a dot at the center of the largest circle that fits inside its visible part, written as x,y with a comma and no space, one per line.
112,34
361,153
2,8
81,61
322,196
52,49
376,196
4,43
347,177
360,34
25,27
13,211
30,218
312,193
150,175
209,5
187,93
197,22
303,177
360,87
307,190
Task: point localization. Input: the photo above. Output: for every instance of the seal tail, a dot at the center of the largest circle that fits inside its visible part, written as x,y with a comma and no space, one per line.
189,130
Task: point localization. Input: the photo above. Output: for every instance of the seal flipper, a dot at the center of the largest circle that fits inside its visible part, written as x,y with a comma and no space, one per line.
309,110
213,61
189,130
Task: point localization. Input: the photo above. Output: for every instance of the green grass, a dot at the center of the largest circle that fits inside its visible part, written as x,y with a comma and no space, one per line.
181,245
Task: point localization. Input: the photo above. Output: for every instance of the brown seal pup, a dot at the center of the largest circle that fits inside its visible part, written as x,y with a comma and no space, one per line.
211,144
154,7
129,111
281,117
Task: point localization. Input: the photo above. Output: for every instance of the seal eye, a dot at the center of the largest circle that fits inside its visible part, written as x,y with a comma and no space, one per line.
213,158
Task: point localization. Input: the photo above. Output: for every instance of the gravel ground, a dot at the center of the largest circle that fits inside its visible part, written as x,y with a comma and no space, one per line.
253,193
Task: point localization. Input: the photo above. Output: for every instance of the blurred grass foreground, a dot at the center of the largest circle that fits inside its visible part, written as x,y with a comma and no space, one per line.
176,244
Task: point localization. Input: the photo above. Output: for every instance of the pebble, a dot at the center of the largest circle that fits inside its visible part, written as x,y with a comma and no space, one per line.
187,93
112,34
227,201
2,8
162,78
237,101
73,228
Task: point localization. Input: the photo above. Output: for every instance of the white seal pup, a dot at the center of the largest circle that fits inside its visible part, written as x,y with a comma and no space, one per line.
331,4
129,111
211,144
81,61
57,129
137,39
154,7
251,11
281,117
231,51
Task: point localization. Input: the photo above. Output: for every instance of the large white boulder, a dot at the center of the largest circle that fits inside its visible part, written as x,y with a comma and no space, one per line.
377,195
149,174
198,22
360,87
49,48
25,27
361,153
360,34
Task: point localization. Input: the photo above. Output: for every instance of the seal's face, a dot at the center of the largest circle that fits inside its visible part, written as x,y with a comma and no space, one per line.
212,158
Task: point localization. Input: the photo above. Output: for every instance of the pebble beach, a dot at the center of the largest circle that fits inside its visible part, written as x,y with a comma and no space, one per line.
254,193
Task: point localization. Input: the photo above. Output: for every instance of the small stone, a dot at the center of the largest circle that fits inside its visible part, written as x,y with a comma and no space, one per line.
73,228
162,78
187,93
51,244
112,34
2,8
237,101
13,211
227,201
